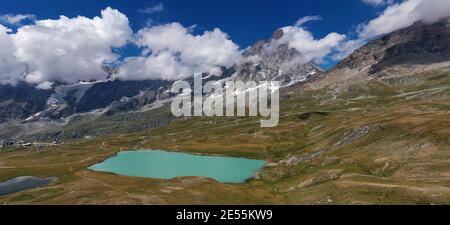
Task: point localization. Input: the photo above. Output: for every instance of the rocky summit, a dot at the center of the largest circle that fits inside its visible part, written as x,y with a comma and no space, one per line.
270,60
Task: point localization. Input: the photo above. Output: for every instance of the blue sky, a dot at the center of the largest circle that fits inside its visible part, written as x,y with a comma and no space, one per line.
245,21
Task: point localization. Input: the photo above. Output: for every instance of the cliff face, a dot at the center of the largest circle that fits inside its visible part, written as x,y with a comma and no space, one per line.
267,60
102,95
20,101
419,47
420,43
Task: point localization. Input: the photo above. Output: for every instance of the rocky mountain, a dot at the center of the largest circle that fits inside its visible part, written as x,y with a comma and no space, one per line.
32,111
268,60
419,47
420,43
66,100
101,107
21,100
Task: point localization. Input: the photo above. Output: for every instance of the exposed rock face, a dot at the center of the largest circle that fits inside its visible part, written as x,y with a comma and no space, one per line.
356,134
102,94
111,71
278,34
416,48
20,101
26,102
146,97
54,112
269,60
420,43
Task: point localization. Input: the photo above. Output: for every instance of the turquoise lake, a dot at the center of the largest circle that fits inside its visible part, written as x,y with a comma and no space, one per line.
167,165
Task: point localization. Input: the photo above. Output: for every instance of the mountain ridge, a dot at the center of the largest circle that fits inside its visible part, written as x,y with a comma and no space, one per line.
419,47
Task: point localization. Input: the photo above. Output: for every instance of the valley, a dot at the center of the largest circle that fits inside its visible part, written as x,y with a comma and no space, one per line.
371,143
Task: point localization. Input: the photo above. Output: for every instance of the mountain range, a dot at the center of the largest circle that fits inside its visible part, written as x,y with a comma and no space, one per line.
66,110
36,114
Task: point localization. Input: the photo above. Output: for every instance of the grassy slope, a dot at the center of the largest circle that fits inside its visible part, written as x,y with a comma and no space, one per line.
404,156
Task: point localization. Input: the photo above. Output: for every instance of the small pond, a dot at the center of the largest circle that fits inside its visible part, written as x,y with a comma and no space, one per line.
23,183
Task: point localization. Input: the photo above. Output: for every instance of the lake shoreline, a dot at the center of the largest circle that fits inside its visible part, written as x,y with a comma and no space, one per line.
170,168
24,183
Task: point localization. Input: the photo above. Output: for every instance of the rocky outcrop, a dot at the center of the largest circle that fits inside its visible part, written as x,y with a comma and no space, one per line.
416,48
21,100
269,60
421,43
102,94
357,134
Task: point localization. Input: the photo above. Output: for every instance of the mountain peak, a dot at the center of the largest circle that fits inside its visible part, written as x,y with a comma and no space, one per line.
273,60
420,43
278,34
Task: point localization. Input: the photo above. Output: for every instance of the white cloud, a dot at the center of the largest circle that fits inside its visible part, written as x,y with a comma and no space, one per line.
336,46
154,9
172,44
73,49
70,49
163,65
10,68
46,85
378,2
395,17
306,19
311,49
346,48
16,20
404,14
